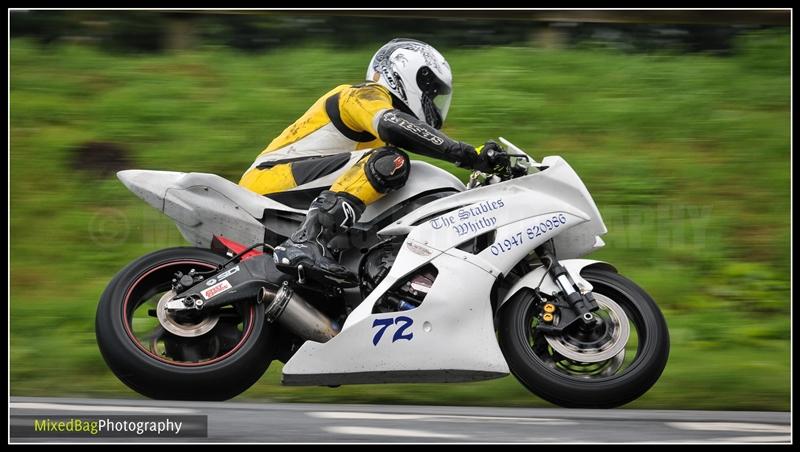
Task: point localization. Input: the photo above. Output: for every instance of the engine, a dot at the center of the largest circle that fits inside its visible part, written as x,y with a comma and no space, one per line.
408,293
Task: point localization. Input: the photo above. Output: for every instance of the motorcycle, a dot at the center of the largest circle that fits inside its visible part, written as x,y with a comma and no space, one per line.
457,283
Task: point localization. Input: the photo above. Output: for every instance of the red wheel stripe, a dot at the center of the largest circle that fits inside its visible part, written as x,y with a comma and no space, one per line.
139,345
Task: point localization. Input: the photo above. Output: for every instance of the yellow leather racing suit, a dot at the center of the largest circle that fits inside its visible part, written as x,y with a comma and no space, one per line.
319,143
346,119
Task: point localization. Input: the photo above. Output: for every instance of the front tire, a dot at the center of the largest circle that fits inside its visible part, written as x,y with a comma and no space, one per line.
217,365
574,384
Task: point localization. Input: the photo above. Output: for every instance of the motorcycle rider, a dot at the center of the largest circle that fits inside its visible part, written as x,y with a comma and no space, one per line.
401,105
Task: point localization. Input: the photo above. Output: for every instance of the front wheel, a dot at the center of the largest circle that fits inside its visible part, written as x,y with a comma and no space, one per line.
607,366
195,356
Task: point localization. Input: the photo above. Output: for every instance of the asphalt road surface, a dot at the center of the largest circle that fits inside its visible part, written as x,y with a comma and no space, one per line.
242,422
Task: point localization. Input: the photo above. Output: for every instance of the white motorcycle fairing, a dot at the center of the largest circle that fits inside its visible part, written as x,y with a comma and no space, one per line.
450,336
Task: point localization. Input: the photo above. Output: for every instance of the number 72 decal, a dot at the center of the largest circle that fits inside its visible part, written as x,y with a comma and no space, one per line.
403,322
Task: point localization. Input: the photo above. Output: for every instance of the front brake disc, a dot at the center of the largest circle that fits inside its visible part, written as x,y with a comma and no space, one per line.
600,351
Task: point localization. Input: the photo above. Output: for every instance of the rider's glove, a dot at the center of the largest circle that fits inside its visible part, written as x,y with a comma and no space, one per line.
491,158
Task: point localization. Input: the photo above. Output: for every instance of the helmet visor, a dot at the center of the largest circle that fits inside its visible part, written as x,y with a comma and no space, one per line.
436,95
442,103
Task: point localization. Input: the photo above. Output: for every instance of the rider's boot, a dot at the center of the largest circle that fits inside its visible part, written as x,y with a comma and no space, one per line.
329,214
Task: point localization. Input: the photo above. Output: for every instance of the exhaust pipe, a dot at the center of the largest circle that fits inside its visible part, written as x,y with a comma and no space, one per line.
300,317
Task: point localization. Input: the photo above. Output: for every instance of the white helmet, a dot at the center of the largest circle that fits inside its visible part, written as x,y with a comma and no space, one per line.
416,74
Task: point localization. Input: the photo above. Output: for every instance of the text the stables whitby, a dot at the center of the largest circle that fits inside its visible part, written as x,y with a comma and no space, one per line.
469,219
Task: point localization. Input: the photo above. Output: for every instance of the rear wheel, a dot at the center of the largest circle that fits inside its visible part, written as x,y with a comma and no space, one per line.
608,365
196,355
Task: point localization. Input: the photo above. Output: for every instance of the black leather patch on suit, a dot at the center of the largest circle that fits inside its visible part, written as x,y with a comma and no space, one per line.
332,109
306,171
298,199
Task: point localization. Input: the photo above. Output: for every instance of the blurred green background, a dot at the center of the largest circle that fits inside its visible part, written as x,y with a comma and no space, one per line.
682,139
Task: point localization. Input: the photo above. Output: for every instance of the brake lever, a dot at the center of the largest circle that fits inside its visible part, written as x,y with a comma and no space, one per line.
473,180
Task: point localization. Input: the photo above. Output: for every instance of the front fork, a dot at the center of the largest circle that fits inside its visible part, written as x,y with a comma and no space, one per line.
573,306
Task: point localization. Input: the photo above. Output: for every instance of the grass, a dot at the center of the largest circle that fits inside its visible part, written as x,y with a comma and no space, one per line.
687,157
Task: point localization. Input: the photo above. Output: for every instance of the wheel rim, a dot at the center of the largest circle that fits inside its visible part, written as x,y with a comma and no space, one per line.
229,332
608,354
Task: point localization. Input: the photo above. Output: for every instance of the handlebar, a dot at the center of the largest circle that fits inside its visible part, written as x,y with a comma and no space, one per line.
519,164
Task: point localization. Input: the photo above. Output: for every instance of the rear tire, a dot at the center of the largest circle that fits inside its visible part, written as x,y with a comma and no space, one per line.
217,365
544,373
